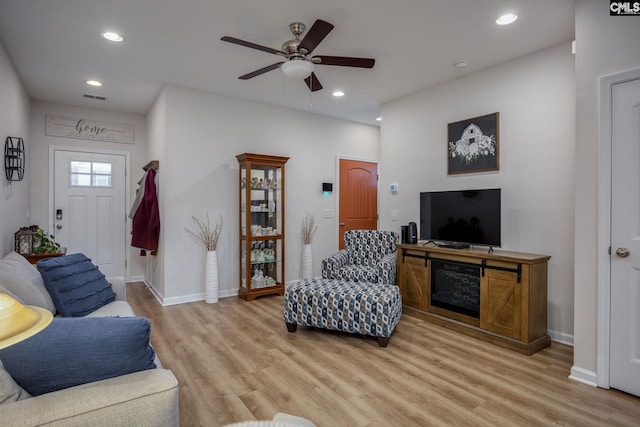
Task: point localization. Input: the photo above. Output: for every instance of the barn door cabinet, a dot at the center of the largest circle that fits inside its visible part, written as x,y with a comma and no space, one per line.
262,225
510,294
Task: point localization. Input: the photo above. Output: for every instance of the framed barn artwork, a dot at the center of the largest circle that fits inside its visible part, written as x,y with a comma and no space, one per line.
474,145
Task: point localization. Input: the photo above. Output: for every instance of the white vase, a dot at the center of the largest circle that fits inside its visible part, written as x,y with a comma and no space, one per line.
307,262
211,278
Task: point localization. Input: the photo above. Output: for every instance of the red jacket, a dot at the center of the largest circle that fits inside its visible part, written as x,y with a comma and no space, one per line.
145,228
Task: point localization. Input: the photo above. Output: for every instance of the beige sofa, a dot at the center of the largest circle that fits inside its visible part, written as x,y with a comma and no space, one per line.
148,398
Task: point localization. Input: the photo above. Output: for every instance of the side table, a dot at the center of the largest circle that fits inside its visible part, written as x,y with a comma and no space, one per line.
34,258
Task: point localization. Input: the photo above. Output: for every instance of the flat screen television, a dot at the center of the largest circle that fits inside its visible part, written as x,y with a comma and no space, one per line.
461,218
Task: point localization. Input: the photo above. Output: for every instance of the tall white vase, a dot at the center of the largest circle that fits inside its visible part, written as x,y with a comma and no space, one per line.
211,278
307,262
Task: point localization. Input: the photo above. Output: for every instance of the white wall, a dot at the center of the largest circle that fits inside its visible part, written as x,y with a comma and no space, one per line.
604,45
14,121
156,125
39,170
203,134
535,97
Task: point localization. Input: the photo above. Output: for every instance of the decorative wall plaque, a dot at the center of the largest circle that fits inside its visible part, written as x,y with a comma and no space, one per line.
83,128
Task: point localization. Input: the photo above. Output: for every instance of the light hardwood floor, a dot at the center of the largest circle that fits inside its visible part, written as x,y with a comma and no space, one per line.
235,361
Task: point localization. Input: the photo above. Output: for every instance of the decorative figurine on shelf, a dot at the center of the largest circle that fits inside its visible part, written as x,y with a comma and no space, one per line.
269,255
257,255
258,280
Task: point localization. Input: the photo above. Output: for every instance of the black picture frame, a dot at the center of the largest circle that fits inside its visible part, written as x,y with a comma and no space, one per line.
473,145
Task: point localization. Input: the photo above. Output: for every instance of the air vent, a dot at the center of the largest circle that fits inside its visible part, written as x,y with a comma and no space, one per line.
98,97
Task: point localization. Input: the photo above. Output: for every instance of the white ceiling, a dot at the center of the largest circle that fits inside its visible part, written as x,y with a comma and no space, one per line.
56,46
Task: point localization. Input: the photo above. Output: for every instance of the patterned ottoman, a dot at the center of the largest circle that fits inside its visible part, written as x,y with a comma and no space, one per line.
366,308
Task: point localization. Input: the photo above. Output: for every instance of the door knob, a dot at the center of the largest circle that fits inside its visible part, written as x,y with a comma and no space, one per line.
622,252
342,224
58,226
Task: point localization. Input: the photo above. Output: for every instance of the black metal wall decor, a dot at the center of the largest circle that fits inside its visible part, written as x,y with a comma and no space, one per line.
14,159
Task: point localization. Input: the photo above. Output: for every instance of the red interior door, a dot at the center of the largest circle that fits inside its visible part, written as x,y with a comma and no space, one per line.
358,197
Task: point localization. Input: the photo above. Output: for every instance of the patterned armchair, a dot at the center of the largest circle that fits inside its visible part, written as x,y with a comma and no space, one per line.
369,256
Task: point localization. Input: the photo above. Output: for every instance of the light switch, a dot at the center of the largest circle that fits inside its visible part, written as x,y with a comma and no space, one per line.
328,213
395,215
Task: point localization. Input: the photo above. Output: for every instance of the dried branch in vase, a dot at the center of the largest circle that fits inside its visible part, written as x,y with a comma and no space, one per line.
207,235
309,228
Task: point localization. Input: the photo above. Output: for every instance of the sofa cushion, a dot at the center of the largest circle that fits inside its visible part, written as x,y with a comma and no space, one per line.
24,281
11,294
113,309
76,285
74,351
10,391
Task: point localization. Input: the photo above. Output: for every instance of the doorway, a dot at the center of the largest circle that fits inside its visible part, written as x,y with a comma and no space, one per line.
619,234
358,197
88,206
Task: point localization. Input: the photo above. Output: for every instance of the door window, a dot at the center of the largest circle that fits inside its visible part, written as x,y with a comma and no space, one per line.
90,174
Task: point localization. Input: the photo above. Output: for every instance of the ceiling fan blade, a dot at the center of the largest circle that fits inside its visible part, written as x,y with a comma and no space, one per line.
344,61
261,71
313,83
252,45
315,35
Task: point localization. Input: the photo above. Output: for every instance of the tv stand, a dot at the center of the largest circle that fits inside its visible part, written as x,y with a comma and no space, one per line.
512,287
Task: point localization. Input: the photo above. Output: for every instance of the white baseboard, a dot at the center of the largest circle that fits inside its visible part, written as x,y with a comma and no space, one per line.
153,291
139,278
561,337
183,299
584,376
226,293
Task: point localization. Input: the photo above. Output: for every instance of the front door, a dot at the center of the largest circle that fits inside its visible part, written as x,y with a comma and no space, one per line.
625,238
89,209
358,197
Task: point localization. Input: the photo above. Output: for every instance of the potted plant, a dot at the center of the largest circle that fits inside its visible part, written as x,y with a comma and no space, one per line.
208,237
307,231
44,243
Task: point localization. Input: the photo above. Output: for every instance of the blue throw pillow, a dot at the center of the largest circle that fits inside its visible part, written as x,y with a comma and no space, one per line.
73,351
76,286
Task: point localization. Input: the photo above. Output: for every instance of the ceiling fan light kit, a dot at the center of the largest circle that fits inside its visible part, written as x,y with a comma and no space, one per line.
299,62
297,69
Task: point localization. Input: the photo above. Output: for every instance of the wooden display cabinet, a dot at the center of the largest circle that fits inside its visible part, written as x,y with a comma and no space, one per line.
262,225
511,303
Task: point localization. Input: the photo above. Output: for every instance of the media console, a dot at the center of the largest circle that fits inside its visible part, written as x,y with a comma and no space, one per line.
500,297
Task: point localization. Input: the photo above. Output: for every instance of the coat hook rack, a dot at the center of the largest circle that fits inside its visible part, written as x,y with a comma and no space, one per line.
153,164
14,158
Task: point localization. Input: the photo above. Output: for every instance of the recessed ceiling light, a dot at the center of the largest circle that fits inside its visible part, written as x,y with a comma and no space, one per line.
111,36
378,119
506,19
94,83
338,93
461,64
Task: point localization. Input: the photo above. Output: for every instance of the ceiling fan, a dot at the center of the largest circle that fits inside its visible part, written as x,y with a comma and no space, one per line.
299,62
